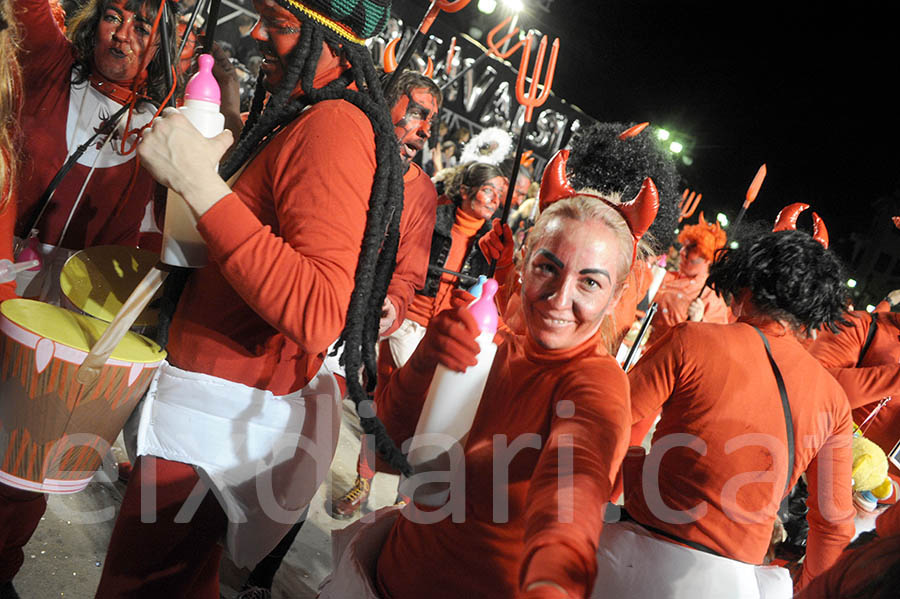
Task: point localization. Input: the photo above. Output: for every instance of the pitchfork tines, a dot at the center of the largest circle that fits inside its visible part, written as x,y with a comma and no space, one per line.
533,99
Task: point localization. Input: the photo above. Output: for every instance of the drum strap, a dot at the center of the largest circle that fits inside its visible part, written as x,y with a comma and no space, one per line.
786,408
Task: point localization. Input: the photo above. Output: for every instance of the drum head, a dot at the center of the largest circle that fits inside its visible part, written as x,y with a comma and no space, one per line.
99,279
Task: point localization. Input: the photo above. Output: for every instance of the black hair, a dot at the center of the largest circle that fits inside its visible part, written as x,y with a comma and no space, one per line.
378,253
471,176
408,81
82,32
790,277
600,160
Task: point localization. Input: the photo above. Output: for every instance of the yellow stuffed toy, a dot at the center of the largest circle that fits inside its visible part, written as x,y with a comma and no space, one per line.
870,469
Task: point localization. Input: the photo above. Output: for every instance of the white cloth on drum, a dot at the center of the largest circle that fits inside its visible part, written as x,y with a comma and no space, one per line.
633,563
263,455
354,552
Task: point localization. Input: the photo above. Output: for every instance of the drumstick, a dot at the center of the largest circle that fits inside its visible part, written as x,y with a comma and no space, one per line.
89,370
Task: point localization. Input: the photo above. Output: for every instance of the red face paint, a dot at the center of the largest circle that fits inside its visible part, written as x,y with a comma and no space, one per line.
277,33
123,46
484,201
412,116
569,282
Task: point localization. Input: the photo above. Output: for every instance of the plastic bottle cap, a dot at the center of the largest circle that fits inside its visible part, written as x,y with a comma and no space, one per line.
484,310
203,86
475,290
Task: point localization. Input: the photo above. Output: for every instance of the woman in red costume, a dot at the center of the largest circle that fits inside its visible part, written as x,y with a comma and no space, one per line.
683,295
72,89
526,520
475,190
745,411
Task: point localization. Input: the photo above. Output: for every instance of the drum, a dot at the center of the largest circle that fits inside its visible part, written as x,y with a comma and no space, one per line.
54,431
99,279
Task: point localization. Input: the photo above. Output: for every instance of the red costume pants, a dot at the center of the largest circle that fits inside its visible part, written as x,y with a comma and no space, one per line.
170,554
20,513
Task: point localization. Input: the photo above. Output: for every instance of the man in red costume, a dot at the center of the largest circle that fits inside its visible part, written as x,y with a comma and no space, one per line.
864,357
683,295
72,89
745,411
301,247
415,101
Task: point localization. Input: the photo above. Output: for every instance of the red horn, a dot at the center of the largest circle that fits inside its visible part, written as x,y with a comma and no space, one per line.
641,211
554,182
429,69
702,221
390,55
787,218
820,233
633,131
896,220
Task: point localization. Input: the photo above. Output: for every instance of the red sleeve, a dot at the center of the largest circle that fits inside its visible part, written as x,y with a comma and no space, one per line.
299,279
7,223
654,376
43,44
416,228
573,479
830,500
400,397
839,353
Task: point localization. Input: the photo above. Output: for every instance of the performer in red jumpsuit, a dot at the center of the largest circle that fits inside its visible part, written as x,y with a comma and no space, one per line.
864,357
683,295
517,534
301,247
727,449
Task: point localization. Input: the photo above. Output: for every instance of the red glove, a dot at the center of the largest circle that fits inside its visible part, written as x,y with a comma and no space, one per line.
544,592
497,244
460,298
449,340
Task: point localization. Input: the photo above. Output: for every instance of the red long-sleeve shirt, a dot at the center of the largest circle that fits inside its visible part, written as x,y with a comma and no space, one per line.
107,213
716,386
575,401
416,227
283,248
7,222
877,377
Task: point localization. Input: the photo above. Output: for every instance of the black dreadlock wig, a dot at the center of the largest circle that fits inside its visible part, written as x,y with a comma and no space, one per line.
600,160
790,277
378,254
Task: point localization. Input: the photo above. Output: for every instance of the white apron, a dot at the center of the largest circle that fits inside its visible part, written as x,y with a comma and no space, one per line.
633,563
264,456
354,553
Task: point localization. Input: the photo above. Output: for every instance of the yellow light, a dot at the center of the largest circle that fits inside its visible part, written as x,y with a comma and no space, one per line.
515,5
662,134
870,308
723,220
733,245
851,283
675,147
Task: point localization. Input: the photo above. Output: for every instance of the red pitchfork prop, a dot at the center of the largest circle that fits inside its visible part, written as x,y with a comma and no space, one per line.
493,49
688,204
752,192
389,59
530,100
436,7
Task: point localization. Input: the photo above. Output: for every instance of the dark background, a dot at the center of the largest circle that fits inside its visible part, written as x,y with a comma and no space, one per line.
807,90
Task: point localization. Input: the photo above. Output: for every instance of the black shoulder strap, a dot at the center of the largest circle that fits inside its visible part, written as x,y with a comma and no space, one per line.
786,407
869,336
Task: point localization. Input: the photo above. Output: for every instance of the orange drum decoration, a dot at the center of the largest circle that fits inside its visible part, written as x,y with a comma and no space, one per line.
54,431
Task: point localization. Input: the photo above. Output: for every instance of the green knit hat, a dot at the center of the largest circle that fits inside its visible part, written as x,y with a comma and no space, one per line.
353,20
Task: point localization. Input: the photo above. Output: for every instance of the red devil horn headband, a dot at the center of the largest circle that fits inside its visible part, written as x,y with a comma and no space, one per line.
639,213
787,221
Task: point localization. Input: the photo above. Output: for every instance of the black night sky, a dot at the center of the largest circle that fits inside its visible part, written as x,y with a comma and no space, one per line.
805,89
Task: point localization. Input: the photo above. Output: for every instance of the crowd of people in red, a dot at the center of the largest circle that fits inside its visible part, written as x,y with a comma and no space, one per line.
338,269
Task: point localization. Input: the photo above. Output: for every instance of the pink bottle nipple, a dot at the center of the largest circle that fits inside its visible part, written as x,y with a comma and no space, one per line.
203,86
484,310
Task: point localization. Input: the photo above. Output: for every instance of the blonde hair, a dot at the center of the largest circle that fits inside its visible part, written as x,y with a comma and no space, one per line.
586,209
10,101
